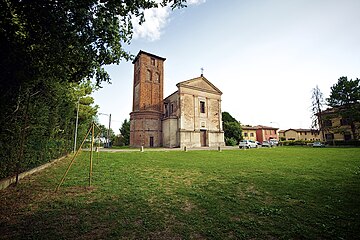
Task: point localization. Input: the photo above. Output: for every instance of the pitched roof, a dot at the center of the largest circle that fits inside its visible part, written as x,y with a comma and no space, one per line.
300,130
149,54
249,127
266,127
200,83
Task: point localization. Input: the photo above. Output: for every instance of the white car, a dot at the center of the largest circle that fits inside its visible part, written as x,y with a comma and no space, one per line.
247,144
274,142
266,144
318,144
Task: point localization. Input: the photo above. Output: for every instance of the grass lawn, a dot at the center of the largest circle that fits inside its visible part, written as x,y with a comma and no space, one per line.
280,193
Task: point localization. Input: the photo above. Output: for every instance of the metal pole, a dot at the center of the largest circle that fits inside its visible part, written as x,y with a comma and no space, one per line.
76,124
91,152
108,132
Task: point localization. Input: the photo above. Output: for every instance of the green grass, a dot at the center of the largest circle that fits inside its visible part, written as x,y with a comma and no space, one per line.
280,193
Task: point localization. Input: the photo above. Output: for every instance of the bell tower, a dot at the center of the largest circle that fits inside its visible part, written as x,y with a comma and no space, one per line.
147,110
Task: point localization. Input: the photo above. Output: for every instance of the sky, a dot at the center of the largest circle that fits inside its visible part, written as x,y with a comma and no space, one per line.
266,56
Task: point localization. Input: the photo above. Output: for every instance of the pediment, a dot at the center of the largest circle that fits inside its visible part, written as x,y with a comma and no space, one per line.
201,84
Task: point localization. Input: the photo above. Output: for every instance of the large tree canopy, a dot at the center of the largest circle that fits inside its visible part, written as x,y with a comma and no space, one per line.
70,40
49,51
344,92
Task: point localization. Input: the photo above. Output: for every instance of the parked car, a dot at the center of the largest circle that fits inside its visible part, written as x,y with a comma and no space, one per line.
266,144
274,142
247,144
318,144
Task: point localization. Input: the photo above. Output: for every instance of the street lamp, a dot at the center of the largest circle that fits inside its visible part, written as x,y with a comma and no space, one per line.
108,131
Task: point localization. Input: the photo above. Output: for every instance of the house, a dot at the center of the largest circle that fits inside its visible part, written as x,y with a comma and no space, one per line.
259,133
300,134
249,132
336,127
189,117
265,133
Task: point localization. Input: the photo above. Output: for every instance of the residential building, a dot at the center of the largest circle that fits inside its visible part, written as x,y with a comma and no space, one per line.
336,127
300,134
249,132
259,133
265,133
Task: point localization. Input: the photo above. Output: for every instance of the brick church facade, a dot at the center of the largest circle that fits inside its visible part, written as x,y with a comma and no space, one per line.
189,117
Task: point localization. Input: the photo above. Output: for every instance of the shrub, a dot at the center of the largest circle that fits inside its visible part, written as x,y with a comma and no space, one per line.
230,141
355,143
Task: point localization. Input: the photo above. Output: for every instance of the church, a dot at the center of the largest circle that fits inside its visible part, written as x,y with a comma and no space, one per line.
190,117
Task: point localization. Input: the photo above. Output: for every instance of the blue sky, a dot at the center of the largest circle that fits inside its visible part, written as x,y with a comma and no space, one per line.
264,55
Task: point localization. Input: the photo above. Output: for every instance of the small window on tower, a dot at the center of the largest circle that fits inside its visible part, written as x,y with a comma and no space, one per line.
153,61
202,106
157,78
148,75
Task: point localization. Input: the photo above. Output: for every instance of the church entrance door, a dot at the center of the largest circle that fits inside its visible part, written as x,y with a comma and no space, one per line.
203,138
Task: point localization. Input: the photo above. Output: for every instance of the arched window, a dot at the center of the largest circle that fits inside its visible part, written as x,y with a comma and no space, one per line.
148,75
157,78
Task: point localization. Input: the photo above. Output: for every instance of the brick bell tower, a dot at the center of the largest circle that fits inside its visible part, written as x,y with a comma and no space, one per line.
147,110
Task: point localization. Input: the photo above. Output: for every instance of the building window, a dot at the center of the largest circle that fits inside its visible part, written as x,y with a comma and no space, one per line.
202,106
344,121
347,136
329,136
166,110
153,61
251,134
157,78
245,134
327,123
148,75
172,108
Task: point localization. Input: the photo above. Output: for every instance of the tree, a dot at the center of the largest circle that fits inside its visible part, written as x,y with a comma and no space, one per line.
232,129
226,117
104,131
317,102
125,131
345,97
45,46
69,40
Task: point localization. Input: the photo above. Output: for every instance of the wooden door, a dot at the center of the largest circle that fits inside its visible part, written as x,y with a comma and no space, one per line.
203,138
151,141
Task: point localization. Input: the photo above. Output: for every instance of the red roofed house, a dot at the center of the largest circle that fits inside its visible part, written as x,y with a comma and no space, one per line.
265,133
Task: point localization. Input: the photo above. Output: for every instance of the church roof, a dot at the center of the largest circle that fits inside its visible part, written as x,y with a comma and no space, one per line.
149,54
200,83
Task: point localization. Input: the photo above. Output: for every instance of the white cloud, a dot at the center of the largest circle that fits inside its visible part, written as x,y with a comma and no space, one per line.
155,20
